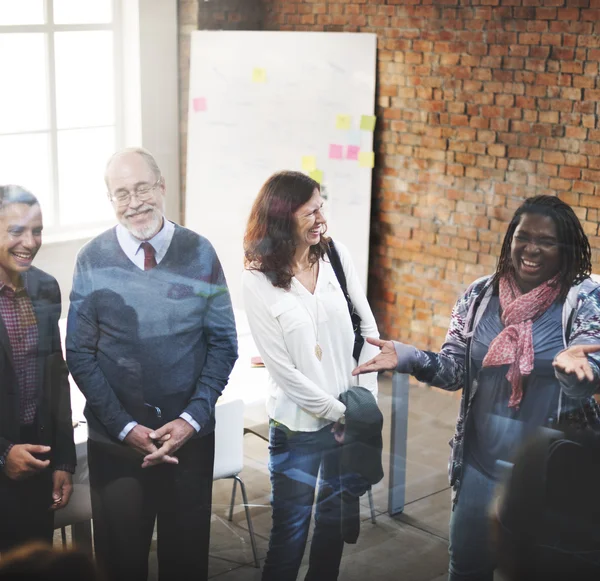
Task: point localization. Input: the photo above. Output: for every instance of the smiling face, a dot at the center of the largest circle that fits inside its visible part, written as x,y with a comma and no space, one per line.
535,251
20,239
130,173
309,221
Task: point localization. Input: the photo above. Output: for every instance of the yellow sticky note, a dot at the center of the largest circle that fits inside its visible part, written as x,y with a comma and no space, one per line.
366,159
367,122
343,122
309,163
316,175
259,75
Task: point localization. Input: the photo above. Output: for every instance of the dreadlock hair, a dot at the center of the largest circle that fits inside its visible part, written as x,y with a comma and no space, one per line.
575,251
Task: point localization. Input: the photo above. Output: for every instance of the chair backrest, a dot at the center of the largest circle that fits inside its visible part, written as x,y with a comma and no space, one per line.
229,438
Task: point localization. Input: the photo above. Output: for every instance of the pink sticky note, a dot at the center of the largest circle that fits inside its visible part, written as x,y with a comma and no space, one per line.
199,104
335,151
352,152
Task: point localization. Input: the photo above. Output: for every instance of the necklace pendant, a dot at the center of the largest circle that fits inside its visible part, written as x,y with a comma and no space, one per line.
318,352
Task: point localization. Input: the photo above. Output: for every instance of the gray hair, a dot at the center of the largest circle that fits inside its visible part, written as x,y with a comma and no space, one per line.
12,194
148,157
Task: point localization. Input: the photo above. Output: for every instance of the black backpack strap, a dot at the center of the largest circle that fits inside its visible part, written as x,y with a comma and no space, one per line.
336,264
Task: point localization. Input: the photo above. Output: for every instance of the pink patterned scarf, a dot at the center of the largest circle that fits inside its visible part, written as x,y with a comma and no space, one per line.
514,345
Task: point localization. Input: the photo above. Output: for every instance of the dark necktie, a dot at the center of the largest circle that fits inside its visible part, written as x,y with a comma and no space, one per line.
149,255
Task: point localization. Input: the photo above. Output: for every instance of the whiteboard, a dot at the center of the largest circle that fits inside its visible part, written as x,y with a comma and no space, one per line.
260,102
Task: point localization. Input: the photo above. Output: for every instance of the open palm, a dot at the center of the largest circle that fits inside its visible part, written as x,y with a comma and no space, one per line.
574,361
386,360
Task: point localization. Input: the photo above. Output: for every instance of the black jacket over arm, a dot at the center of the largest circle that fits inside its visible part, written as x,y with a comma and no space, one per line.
360,464
54,399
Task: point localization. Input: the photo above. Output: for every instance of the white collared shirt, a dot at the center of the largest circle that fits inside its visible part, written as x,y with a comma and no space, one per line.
132,247
286,327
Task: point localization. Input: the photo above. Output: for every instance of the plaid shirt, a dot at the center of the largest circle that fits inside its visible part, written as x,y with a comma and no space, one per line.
16,310
18,316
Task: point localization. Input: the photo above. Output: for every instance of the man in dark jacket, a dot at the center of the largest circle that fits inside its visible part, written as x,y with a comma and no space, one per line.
37,452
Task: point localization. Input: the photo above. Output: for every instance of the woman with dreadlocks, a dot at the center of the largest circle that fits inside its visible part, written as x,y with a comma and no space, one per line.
505,333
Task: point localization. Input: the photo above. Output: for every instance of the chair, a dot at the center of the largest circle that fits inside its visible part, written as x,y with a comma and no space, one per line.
229,455
78,515
262,431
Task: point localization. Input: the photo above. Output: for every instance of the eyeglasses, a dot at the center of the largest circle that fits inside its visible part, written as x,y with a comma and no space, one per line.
143,194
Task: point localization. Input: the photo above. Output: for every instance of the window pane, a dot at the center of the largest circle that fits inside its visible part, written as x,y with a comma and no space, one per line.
23,102
82,11
26,162
84,79
82,155
21,12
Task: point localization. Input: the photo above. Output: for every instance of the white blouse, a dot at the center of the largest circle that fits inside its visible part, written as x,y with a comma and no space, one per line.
303,390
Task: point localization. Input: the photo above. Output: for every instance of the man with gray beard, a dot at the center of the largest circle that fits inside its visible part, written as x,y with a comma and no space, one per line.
151,342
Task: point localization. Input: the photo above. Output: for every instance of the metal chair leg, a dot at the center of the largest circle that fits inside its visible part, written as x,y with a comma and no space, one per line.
370,493
232,499
250,527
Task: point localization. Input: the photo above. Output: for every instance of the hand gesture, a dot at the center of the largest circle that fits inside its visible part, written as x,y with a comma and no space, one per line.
574,361
172,436
386,360
339,432
20,462
62,487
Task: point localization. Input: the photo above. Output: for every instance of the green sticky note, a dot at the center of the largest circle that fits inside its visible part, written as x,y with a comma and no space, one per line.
316,175
343,122
366,159
309,163
367,122
259,75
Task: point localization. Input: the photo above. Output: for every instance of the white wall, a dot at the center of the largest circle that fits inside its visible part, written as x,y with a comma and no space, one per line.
58,258
151,114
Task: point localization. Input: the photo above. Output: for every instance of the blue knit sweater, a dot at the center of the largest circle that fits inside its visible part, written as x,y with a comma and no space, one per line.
147,346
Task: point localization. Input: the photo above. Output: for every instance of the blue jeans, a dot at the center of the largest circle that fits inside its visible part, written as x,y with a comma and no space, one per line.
294,462
471,556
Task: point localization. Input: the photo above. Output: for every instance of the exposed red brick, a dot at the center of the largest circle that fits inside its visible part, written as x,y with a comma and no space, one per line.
481,103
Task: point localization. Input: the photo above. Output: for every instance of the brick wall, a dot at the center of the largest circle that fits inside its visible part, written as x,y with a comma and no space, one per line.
479,105
207,15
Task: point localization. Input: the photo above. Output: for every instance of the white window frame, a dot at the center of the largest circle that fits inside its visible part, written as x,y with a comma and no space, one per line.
56,232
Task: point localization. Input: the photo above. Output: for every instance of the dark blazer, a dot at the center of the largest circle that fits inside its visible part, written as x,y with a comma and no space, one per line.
54,399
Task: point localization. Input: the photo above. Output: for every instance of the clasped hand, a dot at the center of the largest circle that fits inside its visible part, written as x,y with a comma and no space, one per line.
159,446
